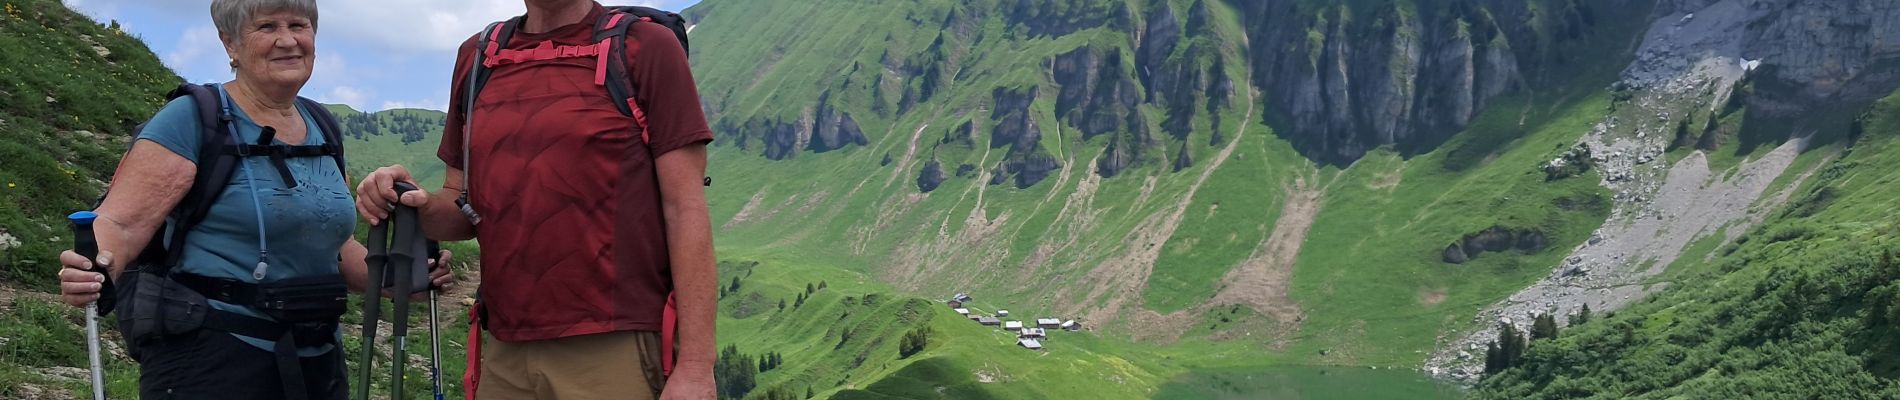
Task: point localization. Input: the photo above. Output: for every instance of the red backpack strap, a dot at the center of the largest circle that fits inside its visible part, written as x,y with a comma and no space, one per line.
472,377
669,330
612,73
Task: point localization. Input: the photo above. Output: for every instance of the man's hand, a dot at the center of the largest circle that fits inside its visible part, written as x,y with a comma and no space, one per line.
439,277
690,381
378,190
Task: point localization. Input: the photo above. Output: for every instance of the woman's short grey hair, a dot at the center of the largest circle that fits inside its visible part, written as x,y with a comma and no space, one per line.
231,15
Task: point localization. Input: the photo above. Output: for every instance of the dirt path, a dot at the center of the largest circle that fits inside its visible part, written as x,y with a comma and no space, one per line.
1262,281
1119,281
910,156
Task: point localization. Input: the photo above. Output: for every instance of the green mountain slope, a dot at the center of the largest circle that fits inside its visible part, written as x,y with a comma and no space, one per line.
71,90
1001,176
407,137
1238,199
1803,306
1359,183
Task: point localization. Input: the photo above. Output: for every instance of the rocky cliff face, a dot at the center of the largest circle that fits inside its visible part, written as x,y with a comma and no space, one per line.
1183,71
833,129
1099,97
1015,128
1341,82
1495,239
824,129
1817,55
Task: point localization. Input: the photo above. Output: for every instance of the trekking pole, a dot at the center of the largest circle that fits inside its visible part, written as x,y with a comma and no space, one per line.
435,336
372,303
406,263
87,246
393,265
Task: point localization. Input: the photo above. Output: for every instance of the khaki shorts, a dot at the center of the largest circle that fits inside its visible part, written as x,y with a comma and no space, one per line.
615,365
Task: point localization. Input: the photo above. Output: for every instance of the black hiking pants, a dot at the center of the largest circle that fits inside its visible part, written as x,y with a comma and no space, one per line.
211,364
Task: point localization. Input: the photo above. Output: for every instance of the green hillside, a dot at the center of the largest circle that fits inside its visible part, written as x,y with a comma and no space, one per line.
1237,199
407,137
1147,252
60,134
1803,306
60,137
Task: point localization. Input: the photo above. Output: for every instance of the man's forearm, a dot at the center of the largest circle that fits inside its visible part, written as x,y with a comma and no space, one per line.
442,219
694,280
689,242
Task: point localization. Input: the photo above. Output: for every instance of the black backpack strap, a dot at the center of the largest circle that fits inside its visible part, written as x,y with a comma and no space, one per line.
214,169
672,21
490,40
612,27
332,134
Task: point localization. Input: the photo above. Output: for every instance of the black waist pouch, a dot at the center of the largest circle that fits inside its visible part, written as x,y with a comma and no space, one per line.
151,307
322,298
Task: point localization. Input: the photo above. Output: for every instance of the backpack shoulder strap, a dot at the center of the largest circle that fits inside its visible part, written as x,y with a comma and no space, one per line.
612,28
489,41
215,166
332,133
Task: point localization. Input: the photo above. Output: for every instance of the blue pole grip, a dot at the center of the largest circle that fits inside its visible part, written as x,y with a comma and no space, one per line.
84,242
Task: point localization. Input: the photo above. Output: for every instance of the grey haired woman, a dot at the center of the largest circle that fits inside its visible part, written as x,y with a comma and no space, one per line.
250,307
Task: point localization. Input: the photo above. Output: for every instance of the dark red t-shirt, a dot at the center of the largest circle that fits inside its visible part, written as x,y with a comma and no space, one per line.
573,239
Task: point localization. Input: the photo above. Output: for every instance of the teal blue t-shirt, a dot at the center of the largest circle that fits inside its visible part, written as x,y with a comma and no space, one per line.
306,225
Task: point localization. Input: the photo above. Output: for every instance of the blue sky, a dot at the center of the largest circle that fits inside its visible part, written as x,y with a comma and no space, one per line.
371,54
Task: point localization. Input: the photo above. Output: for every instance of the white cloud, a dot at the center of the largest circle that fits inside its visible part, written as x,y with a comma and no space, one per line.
437,105
198,55
347,95
415,24
430,24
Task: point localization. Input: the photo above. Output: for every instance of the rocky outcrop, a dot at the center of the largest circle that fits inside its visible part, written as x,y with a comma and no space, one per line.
781,138
1027,167
963,136
1182,80
833,129
925,74
1495,239
1817,55
1340,82
825,129
1026,161
1200,19
931,177
1014,126
1035,18
1157,43
1099,97
1183,158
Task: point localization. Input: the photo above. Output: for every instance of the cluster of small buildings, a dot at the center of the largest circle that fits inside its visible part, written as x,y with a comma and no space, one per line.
1027,336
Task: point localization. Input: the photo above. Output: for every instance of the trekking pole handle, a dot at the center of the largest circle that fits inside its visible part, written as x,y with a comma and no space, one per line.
404,187
87,245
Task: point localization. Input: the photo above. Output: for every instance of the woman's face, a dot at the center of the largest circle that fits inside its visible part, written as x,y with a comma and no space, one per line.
276,48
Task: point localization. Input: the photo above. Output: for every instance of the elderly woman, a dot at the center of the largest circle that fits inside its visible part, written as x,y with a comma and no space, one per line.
272,257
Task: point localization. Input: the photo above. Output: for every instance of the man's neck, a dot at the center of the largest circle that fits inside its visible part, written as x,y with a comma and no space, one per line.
543,18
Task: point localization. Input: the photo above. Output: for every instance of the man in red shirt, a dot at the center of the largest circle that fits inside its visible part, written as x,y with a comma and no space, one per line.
587,223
